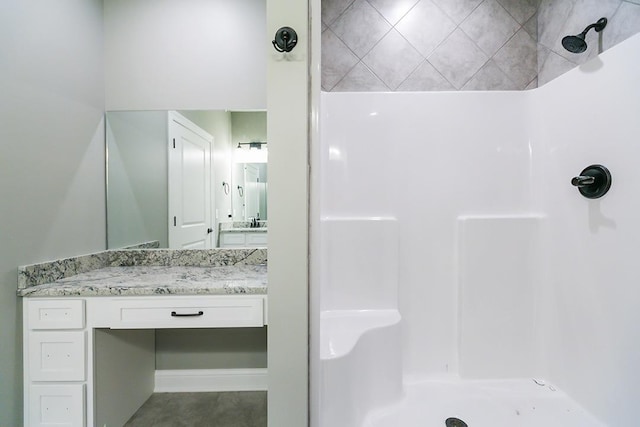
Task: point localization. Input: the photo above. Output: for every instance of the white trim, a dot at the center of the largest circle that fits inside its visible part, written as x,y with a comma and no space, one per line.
210,380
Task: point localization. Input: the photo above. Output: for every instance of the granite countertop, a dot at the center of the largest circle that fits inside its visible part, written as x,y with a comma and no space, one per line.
245,230
157,280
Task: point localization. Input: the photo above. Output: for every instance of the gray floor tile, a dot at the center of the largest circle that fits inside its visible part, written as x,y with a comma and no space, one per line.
231,409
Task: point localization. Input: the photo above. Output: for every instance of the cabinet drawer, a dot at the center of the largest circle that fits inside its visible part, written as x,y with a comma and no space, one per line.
56,405
222,312
56,314
57,356
256,239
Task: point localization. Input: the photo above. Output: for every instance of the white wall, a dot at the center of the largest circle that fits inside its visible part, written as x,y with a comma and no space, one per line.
587,116
248,126
52,154
185,54
211,348
137,178
288,199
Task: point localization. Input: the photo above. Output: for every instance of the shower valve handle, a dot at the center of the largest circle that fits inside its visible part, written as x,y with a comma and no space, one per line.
582,181
593,182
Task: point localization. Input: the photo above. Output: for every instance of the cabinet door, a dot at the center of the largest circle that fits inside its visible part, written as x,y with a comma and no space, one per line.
56,405
256,239
57,356
231,240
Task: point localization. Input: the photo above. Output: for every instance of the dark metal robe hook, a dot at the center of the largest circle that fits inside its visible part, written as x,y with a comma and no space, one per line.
285,40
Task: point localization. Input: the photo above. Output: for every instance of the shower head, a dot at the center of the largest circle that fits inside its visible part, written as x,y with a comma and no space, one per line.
577,44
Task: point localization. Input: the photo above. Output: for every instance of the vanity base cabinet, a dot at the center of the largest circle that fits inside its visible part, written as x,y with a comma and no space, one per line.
55,358
236,239
62,338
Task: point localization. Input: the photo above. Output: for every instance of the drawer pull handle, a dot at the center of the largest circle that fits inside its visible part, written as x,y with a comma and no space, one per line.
174,314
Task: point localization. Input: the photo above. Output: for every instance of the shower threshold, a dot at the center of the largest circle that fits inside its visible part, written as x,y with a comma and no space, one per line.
482,403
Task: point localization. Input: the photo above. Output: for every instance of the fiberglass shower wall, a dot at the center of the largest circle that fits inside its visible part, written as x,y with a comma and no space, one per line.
590,317
504,269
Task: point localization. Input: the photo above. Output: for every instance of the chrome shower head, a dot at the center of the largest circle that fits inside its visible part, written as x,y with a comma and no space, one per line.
577,44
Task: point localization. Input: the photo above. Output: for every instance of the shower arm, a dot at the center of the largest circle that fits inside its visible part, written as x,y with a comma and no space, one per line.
586,30
598,25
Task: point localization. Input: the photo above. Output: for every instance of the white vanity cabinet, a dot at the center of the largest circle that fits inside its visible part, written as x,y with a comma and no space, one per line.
60,343
55,358
239,239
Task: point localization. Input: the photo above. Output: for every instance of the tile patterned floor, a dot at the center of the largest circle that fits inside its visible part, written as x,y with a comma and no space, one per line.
230,409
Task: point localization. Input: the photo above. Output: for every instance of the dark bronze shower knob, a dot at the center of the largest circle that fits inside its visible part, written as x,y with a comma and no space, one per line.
593,182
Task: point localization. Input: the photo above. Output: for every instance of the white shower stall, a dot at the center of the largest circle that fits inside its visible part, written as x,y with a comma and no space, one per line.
457,273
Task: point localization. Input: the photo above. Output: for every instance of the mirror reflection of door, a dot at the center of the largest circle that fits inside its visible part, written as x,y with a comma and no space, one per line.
138,207
255,178
190,195
252,199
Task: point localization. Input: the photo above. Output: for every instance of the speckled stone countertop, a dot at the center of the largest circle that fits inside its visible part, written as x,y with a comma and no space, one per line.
245,230
148,272
242,227
157,280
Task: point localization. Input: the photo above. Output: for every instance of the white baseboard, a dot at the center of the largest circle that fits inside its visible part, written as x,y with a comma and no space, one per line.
210,380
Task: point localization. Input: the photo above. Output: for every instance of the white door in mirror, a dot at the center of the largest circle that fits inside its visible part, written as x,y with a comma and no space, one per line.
190,195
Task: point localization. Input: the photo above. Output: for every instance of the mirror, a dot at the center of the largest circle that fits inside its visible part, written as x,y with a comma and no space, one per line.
250,191
186,179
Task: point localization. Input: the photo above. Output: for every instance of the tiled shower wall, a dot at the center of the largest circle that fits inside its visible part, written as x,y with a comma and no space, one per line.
430,45
426,45
557,18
